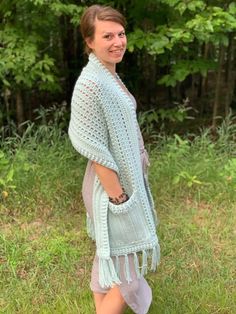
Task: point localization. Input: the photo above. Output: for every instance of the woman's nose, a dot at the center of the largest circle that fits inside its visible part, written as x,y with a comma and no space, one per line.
117,41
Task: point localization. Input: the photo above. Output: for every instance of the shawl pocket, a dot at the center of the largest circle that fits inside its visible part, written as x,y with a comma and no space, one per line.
124,226
125,207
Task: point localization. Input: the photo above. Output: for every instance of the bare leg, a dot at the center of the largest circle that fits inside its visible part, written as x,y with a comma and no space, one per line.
111,303
98,298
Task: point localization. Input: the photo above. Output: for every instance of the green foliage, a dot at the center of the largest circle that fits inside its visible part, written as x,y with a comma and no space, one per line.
6,172
10,168
74,11
213,25
152,120
40,51
183,6
21,62
152,42
210,22
229,173
183,68
27,53
40,160
191,22
52,118
20,155
201,164
188,178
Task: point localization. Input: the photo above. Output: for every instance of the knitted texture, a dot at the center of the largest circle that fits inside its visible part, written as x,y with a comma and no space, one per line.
103,127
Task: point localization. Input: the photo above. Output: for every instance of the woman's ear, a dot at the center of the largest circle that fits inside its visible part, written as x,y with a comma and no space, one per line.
89,43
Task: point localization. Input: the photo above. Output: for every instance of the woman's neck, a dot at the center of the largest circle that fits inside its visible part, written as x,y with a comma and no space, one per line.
110,66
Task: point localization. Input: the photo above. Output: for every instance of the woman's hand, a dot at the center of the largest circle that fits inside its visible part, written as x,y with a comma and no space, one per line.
123,197
111,184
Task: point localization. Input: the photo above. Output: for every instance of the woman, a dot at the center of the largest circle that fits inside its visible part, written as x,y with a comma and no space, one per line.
120,209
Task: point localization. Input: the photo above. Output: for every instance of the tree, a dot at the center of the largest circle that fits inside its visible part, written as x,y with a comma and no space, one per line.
177,49
188,26
31,46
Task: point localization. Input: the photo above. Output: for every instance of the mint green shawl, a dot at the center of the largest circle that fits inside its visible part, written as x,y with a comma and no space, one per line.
103,128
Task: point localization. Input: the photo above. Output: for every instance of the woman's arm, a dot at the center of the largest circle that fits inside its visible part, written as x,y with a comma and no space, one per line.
110,182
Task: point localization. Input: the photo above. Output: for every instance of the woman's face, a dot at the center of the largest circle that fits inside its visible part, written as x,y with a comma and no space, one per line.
109,43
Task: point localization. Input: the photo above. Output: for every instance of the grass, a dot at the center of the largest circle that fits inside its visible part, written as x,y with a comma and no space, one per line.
46,256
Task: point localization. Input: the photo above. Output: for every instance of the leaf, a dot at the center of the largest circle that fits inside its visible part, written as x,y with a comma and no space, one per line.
176,180
10,175
2,155
232,8
181,7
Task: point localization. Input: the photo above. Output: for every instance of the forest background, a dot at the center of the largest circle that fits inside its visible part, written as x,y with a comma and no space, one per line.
181,67
180,60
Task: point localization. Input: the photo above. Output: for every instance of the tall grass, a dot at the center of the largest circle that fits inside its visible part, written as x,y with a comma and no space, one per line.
46,256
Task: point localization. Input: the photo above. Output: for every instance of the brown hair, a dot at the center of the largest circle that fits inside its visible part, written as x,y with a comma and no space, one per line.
102,13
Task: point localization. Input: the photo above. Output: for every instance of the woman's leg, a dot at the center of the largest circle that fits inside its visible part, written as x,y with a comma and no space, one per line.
110,303
107,301
98,298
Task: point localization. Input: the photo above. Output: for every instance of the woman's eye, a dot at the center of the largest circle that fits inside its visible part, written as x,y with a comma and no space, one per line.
108,36
122,34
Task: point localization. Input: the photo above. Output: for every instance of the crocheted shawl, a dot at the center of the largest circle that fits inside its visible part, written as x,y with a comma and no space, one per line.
103,128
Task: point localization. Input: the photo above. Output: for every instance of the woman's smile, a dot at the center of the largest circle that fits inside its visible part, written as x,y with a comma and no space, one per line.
109,43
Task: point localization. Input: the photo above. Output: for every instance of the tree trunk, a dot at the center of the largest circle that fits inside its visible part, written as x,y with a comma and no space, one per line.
218,85
203,80
19,111
231,73
6,96
199,86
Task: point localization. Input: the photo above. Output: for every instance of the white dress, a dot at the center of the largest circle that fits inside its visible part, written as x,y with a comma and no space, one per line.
137,294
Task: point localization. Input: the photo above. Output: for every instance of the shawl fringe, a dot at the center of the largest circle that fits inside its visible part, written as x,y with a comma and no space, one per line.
107,273
110,268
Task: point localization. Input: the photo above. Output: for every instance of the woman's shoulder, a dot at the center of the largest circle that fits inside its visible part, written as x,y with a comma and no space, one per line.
89,83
